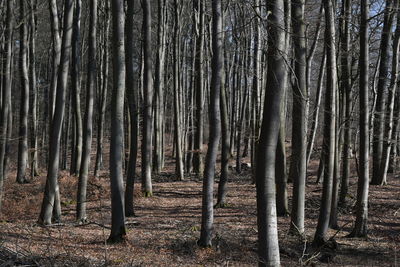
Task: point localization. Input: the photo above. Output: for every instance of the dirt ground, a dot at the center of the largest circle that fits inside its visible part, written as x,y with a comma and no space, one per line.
166,228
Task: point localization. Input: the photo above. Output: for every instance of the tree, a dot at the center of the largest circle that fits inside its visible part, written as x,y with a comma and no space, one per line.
88,122
6,92
268,248
300,99
51,198
207,215
132,94
147,101
118,231
360,227
24,106
330,125
378,127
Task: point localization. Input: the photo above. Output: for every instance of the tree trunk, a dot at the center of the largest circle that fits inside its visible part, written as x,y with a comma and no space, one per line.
379,129
330,125
88,127
360,227
132,93
118,231
51,197
207,216
76,90
299,135
147,101
6,92
268,248
24,104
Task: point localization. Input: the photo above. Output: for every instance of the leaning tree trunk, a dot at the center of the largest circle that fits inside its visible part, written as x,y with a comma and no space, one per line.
268,248
88,123
207,215
360,227
24,104
330,125
118,231
51,196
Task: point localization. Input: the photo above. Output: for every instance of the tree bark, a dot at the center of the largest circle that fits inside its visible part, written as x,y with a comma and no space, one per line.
118,231
207,216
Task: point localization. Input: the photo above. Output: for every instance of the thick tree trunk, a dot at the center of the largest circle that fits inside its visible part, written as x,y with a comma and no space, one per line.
268,248
207,216
118,231
88,123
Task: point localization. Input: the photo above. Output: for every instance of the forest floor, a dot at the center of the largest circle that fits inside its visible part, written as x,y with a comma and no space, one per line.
166,228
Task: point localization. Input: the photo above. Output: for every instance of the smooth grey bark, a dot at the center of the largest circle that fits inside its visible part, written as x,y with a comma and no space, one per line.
379,114
76,157
103,88
315,113
179,169
6,92
391,102
24,104
118,231
51,196
55,33
330,125
199,90
88,122
207,215
298,165
347,93
132,94
360,227
268,247
147,187
282,208
33,90
159,87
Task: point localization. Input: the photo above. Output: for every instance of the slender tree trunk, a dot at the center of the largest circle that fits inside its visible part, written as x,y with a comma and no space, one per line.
103,94
379,129
51,196
55,32
207,216
299,136
177,116
132,93
6,92
24,104
391,101
88,128
118,231
360,227
76,90
330,125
